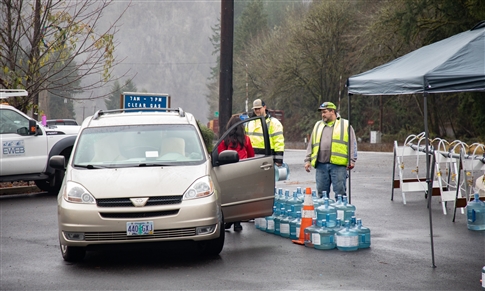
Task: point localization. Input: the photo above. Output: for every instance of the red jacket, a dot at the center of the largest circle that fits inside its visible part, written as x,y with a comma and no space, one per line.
245,152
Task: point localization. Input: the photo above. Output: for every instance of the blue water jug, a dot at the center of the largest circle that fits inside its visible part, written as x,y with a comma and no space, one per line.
326,195
285,224
326,237
347,239
295,225
295,202
309,232
364,235
315,199
323,210
270,221
280,200
279,214
299,194
349,209
285,201
475,211
276,197
339,206
282,172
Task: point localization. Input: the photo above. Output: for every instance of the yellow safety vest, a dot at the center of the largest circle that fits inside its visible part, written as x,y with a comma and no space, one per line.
255,132
339,149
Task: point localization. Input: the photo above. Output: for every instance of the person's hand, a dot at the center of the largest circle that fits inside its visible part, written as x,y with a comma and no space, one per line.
279,164
350,166
307,167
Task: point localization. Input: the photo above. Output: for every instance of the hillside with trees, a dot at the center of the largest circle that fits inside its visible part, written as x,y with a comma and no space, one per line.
304,58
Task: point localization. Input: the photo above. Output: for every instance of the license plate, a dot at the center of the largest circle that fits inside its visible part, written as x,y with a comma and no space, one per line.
139,228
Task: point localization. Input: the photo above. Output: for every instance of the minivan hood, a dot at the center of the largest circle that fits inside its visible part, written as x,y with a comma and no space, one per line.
137,181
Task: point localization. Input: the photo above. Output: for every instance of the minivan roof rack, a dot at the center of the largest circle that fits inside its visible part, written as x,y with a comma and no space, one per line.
103,112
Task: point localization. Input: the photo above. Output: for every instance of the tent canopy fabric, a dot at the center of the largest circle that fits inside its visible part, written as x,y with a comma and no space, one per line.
455,64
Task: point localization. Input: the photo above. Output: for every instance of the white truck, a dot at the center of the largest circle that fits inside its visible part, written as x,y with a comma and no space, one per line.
27,145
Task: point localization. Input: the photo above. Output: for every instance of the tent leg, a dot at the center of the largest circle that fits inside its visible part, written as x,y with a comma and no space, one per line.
429,179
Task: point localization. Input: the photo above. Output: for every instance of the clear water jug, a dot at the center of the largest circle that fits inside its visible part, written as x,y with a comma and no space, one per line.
475,211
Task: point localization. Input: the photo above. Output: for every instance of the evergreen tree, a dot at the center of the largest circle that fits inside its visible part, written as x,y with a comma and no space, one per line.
114,101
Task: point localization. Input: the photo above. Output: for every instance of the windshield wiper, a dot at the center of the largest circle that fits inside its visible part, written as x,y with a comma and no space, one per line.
152,165
90,166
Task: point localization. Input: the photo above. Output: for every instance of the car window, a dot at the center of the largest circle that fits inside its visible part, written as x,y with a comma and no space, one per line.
254,125
134,145
61,122
11,121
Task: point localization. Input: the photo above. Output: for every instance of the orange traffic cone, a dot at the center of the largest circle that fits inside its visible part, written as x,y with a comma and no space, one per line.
307,215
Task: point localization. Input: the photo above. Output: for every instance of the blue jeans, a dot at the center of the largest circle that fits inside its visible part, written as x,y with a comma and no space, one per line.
329,174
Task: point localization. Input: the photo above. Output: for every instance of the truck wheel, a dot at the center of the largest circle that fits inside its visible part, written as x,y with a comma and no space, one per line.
43,185
72,254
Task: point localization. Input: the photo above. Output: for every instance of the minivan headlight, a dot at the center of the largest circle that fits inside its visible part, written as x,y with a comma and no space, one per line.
75,193
202,187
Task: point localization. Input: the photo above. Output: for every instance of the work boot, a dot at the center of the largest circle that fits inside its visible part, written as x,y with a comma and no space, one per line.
227,225
237,226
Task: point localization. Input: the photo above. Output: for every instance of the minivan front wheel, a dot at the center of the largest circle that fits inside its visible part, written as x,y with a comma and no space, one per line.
214,246
72,254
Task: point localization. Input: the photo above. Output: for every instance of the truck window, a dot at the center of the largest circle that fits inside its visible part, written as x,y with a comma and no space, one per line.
11,121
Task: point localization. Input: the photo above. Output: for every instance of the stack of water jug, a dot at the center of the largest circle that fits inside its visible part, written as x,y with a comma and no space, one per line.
475,212
334,225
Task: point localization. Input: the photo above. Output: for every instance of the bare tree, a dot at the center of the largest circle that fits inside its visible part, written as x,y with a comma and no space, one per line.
52,44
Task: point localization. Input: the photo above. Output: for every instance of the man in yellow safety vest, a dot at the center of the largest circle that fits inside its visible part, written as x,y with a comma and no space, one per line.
328,151
254,130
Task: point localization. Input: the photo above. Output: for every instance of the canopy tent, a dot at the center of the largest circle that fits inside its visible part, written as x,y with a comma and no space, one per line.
455,64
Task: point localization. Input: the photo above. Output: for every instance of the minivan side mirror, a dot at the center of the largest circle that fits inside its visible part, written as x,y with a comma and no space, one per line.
228,157
58,162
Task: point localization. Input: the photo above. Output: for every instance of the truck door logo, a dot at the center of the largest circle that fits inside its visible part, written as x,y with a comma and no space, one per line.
13,148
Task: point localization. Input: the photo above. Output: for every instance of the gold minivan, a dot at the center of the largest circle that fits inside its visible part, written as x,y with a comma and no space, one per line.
140,175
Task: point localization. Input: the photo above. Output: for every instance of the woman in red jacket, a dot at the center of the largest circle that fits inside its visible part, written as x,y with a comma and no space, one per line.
236,140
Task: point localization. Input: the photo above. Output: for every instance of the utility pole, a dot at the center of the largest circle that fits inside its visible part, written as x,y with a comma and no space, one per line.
34,57
225,72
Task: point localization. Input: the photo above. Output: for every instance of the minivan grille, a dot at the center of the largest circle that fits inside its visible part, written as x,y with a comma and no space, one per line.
152,201
157,234
138,214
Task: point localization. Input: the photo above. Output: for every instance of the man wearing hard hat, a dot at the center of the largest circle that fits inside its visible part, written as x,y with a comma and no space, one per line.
328,151
254,130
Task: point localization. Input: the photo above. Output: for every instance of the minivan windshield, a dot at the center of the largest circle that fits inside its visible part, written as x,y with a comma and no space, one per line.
138,146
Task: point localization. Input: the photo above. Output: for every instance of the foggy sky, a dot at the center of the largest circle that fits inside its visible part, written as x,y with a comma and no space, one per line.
165,48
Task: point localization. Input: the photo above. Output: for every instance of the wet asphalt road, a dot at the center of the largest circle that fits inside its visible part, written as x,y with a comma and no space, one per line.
399,258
